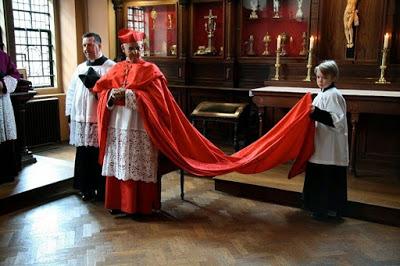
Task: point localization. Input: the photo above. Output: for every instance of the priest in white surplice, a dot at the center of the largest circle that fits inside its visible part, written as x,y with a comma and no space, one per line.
81,108
8,131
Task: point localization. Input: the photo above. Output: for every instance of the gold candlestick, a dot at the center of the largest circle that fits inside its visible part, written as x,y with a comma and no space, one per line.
383,67
277,64
309,65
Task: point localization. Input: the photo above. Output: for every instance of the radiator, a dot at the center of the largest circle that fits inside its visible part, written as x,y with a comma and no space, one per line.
42,122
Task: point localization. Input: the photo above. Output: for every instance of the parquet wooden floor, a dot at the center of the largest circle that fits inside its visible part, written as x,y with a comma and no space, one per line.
208,228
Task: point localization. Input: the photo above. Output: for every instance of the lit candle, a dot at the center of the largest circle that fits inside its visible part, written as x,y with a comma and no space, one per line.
311,42
386,41
278,42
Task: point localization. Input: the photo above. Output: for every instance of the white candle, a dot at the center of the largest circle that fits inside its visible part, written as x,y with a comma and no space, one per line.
386,41
311,42
278,42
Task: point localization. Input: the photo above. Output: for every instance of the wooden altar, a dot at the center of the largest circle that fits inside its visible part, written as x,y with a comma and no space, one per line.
359,102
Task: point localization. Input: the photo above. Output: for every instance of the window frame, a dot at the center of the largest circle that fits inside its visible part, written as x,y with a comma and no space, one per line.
53,37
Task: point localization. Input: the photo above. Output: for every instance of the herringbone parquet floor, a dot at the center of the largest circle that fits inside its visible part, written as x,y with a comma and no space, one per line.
208,228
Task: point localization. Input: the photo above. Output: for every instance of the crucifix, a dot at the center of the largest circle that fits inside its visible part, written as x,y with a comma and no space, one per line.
210,27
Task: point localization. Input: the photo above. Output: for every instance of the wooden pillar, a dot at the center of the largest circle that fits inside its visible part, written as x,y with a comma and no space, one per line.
352,161
258,101
183,29
119,21
183,38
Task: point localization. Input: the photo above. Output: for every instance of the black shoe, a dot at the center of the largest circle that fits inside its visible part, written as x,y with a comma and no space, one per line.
86,197
115,211
98,196
319,216
338,218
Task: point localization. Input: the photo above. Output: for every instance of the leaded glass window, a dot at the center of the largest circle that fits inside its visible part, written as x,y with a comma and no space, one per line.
33,40
136,18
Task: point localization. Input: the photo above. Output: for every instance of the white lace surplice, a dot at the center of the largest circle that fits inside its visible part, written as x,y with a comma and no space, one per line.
8,128
130,155
81,105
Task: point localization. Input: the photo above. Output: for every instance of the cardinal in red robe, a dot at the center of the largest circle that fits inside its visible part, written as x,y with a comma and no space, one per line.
138,118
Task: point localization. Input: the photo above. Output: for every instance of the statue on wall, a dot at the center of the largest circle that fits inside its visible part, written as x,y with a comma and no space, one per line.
299,13
276,9
254,8
250,46
350,18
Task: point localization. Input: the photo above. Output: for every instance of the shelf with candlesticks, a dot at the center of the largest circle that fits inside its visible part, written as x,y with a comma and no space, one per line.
263,21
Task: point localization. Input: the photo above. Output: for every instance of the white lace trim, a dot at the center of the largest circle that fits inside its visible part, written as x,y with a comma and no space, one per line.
130,155
11,83
8,128
130,99
83,134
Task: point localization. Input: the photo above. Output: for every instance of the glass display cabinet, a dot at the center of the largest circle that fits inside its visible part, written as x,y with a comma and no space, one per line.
207,36
158,20
264,20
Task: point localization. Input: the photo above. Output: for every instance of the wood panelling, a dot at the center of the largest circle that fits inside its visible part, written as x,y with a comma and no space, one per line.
395,52
368,35
208,72
379,144
252,75
331,39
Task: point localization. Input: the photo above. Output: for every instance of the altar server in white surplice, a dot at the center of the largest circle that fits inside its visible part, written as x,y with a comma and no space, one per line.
81,110
325,184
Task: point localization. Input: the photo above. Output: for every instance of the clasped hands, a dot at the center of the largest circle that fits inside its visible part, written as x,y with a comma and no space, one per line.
118,93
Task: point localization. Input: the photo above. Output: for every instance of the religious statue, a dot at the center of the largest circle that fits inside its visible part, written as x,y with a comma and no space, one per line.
210,26
303,50
266,40
169,25
153,15
350,18
299,13
254,8
276,9
250,46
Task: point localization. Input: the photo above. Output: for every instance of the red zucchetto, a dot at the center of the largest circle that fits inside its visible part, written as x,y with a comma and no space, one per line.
129,36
